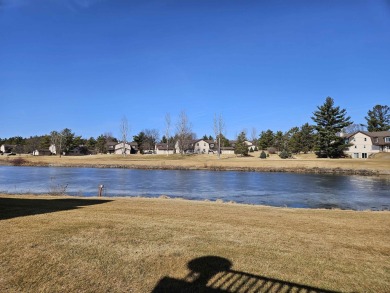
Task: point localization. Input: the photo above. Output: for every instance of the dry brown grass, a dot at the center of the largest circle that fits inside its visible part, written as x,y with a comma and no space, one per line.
60,244
301,163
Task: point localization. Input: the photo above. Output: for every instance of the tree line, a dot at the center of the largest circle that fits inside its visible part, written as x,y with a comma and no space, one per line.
321,137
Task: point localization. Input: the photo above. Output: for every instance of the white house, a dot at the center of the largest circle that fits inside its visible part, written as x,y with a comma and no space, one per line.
364,143
202,146
41,152
52,149
6,148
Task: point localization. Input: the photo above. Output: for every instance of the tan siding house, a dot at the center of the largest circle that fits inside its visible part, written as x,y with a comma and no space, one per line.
364,143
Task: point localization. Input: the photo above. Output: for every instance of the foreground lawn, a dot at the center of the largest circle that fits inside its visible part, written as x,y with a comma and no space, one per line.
62,244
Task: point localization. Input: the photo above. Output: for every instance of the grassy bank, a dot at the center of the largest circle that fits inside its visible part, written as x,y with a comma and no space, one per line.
56,244
380,165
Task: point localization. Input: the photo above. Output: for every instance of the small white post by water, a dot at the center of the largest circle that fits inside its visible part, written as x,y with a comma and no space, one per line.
101,186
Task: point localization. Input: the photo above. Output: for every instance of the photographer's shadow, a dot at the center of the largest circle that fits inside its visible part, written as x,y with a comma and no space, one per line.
214,274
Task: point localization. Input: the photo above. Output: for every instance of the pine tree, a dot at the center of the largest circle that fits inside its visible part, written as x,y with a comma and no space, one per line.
378,119
241,148
266,139
330,121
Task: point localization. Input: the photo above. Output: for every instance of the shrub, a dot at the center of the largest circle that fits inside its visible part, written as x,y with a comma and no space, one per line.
272,150
284,154
256,149
251,150
263,155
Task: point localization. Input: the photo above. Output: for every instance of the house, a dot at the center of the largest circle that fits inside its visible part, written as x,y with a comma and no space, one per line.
227,150
7,148
364,143
126,148
52,149
202,146
41,152
249,144
188,146
161,149
110,146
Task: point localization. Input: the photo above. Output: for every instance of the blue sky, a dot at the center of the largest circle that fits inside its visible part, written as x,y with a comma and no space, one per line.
85,64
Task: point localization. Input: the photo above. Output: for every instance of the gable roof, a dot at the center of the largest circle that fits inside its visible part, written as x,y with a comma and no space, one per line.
377,137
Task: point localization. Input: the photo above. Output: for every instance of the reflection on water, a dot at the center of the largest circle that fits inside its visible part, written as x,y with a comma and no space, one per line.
275,189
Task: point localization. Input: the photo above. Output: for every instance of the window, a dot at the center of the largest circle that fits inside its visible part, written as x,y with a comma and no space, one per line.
364,155
364,146
356,155
204,144
387,139
376,140
365,139
355,147
197,144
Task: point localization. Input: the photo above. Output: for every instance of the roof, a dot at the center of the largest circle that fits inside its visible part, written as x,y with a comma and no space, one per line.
163,146
377,137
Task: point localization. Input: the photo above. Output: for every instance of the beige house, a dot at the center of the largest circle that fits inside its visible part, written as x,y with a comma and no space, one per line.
126,148
161,149
202,146
249,144
364,143
227,150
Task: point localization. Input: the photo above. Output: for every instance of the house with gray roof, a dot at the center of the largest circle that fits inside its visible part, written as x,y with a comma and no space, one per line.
364,143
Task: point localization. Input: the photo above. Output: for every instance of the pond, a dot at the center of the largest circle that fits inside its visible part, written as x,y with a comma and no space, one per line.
274,189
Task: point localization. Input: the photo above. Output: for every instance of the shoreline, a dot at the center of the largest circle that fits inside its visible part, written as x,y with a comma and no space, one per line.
164,197
163,166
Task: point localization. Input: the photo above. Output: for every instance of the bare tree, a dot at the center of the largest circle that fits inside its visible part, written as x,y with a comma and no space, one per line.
219,128
254,135
151,138
353,128
167,129
183,131
124,130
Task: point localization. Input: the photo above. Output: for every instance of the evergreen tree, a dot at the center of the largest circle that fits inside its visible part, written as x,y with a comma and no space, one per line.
293,137
224,141
263,155
91,144
378,119
279,141
68,140
330,121
101,144
307,138
241,148
140,139
266,139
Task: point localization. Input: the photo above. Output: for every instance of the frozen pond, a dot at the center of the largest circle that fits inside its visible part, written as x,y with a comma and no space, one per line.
275,189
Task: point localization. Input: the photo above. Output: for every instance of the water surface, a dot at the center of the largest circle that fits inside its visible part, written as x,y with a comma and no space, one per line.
275,189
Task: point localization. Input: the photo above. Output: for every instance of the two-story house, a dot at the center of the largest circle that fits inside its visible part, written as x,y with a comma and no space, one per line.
364,143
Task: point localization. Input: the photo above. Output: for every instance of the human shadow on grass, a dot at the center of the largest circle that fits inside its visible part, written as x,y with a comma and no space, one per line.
20,207
214,274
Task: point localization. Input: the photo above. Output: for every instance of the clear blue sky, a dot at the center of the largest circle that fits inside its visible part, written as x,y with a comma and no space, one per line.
84,64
